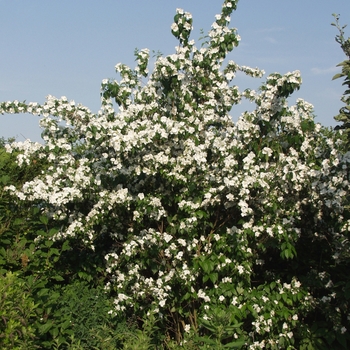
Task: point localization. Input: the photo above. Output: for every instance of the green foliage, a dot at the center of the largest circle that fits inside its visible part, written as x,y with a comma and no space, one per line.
144,338
344,43
75,313
45,269
16,217
17,313
344,112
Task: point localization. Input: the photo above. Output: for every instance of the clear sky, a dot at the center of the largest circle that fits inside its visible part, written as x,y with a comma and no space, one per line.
66,47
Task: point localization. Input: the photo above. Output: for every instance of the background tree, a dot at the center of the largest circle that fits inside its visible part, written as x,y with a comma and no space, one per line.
344,112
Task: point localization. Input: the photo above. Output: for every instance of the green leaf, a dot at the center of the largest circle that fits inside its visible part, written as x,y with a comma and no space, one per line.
54,251
18,221
58,278
65,246
54,332
214,277
48,243
44,219
201,214
43,291
240,290
204,265
208,341
65,324
45,327
5,179
337,76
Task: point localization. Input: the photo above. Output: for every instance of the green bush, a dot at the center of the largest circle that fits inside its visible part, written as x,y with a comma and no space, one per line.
76,315
17,312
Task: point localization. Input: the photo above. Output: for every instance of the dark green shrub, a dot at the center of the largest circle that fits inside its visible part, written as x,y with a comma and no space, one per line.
76,314
17,309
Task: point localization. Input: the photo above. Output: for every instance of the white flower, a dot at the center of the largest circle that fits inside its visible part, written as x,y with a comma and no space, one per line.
167,237
174,27
240,269
179,255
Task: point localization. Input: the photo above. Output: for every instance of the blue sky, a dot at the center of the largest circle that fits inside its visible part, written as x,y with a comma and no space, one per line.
65,48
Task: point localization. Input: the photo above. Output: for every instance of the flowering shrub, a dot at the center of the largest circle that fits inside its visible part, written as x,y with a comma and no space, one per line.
231,234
